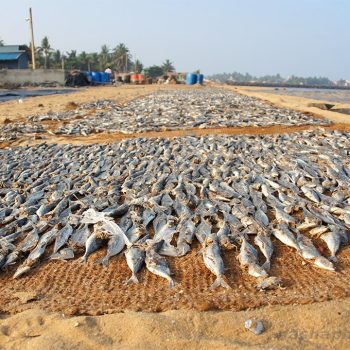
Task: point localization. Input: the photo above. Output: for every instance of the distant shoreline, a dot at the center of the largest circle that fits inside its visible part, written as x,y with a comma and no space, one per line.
289,86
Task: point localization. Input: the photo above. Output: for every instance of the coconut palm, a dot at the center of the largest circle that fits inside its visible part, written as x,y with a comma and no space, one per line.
104,57
45,49
72,60
121,57
154,71
83,60
56,59
137,66
168,66
93,61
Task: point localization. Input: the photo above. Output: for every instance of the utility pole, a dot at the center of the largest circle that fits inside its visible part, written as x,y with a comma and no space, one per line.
32,36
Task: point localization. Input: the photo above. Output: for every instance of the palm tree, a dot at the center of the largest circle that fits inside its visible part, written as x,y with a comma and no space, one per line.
137,66
72,60
168,66
104,57
121,56
154,71
83,60
46,50
93,61
57,59
1,42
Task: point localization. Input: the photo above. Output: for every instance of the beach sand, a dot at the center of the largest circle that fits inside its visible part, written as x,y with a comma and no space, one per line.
39,311
317,326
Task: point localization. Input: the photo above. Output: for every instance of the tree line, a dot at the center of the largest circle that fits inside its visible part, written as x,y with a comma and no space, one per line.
271,79
118,59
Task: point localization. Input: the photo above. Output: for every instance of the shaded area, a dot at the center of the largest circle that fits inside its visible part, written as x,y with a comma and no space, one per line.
8,95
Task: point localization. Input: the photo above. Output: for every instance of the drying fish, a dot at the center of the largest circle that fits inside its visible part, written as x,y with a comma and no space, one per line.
323,263
63,254
307,249
62,237
158,265
248,257
332,240
263,241
135,258
116,243
92,244
213,261
215,190
282,233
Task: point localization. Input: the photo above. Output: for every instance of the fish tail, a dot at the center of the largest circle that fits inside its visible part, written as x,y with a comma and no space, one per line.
21,271
84,259
333,258
266,265
219,282
104,261
132,279
171,283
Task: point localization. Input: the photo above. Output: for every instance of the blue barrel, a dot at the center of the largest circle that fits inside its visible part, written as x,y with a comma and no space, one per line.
191,79
105,77
96,77
200,79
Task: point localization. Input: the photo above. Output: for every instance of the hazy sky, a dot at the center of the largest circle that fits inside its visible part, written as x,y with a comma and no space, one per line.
302,37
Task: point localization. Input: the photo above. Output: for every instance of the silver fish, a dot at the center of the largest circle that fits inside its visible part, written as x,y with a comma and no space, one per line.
213,261
157,264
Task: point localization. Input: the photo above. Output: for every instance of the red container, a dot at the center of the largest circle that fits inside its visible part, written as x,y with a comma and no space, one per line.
135,78
141,78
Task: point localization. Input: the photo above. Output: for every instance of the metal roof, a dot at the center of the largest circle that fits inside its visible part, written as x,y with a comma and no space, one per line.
9,48
10,56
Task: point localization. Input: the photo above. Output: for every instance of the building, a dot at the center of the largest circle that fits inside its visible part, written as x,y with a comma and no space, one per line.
14,57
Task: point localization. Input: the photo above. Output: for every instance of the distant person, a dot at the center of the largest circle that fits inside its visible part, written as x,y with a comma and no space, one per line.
108,70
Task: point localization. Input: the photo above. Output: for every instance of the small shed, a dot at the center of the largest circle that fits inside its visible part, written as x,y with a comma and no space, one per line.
14,57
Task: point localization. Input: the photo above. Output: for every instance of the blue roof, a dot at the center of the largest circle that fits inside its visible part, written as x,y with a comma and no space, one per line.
9,56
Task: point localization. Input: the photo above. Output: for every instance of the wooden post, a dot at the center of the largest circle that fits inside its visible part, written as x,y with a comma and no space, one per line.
32,36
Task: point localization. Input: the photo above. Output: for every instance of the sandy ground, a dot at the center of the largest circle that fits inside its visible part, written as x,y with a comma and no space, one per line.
15,110
316,326
312,312
295,102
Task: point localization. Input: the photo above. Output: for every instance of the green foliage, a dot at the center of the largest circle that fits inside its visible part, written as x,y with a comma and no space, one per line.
1,42
71,60
56,59
119,59
137,66
44,52
122,58
271,79
104,58
154,71
168,66
93,61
